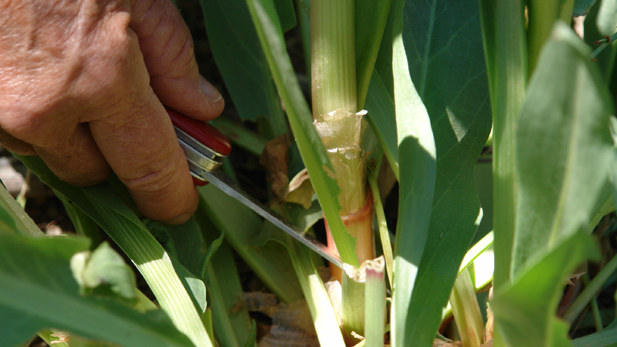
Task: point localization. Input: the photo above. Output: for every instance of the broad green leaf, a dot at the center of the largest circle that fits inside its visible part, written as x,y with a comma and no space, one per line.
311,148
286,13
240,60
382,119
581,7
416,149
38,291
444,48
107,207
525,308
564,147
370,18
241,225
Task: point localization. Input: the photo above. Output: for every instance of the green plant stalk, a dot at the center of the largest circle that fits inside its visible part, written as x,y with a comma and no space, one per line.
590,291
375,303
595,310
311,148
324,318
505,45
542,17
384,234
353,300
333,59
340,128
466,311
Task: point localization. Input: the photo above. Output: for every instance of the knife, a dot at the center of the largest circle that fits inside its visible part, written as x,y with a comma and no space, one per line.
205,147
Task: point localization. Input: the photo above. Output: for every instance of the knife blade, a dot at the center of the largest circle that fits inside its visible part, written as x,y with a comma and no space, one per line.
205,147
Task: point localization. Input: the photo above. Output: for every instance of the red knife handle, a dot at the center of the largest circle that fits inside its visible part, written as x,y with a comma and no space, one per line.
204,146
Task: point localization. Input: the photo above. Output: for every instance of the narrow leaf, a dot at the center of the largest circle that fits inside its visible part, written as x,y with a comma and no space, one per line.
382,119
370,18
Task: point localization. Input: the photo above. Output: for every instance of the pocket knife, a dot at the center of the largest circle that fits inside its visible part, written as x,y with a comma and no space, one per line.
205,147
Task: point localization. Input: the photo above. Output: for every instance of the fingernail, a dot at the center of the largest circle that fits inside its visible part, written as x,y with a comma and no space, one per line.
209,90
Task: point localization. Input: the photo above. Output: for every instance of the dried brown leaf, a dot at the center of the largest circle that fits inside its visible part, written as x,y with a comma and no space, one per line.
275,159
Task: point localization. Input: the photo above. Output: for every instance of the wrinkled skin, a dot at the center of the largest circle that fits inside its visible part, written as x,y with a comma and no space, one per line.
83,84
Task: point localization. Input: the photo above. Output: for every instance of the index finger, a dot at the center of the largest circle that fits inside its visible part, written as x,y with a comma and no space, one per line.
142,149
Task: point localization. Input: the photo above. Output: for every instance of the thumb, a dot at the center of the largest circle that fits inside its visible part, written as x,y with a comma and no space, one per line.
167,47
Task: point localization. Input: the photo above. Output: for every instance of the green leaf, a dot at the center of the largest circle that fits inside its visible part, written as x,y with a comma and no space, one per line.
13,219
240,60
564,147
104,270
286,13
505,42
84,225
582,6
417,182
232,324
448,71
603,338
38,291
370,19
542,15
524,309
607,17
382,119
241,225
311,148
105,204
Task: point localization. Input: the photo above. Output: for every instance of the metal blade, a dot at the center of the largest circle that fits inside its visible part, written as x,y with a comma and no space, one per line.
229,187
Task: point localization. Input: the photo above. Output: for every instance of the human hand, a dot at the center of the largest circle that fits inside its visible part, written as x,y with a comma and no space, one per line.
83,83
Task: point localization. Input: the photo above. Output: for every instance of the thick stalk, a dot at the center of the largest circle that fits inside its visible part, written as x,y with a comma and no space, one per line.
334,110
333,60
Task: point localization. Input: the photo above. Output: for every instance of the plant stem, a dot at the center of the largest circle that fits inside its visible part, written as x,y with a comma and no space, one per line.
467,311
375,303
340,128
333,61
506,59
384,234
590,291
